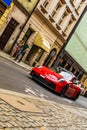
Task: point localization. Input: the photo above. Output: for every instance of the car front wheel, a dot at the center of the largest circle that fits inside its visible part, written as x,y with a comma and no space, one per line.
77,95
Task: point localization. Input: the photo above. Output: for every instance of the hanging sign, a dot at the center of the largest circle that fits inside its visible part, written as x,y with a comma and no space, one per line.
7,2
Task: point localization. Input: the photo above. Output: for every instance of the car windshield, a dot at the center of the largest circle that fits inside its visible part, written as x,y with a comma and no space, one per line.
66,75
62,71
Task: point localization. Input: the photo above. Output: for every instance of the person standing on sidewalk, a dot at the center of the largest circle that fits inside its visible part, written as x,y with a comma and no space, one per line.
21,53
17,48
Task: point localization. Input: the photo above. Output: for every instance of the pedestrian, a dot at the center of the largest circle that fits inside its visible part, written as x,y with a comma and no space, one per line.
17,48
21,53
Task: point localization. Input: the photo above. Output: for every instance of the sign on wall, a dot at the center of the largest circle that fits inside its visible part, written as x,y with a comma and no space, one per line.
7,2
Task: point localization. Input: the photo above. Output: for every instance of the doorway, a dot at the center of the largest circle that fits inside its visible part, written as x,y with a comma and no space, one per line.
7,33
50,56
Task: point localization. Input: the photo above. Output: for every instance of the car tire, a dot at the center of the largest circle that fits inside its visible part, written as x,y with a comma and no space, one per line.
31,74
62,92
76,97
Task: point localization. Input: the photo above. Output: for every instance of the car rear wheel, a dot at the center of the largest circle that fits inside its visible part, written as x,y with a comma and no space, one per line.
64,90
77,95
85,95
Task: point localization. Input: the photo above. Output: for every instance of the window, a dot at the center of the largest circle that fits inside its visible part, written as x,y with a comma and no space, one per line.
70,23
40,53
77,73
53,13
73,70
27,34
64,15
68,66
58,6
60,21
80,76
2,9
45,6
46,3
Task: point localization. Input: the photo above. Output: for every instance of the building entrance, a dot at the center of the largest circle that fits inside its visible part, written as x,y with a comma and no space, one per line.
50,56
7,33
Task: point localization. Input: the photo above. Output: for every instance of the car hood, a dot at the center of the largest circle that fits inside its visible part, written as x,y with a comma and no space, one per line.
50,73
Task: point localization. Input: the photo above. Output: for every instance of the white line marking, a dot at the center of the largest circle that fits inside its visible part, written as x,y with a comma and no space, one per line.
68,100
31,91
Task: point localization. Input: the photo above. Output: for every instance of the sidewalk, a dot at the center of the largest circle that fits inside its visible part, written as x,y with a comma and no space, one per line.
23,112
21,64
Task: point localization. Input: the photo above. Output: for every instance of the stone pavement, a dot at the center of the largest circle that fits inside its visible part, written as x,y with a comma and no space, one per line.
24,112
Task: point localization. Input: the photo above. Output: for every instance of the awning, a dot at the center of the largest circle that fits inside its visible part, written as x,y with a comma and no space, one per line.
41,42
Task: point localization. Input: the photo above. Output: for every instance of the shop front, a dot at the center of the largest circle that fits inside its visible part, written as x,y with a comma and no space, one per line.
39,49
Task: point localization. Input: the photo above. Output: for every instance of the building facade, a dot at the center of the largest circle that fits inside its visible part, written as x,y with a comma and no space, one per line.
71,56
46,30
12,20
70,64
11,24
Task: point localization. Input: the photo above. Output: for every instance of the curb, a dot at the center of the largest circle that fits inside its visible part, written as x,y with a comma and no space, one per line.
6,56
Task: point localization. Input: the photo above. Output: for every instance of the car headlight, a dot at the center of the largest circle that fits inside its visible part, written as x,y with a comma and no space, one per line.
61,80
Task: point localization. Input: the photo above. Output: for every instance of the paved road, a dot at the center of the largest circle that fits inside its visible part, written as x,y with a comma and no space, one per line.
16,79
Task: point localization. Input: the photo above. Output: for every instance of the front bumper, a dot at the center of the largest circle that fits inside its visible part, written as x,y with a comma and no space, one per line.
43,80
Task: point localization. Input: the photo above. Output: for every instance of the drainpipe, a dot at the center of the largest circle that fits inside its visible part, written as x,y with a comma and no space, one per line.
24,24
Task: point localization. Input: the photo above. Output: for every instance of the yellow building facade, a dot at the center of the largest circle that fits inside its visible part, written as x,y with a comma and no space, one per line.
11,22
5,14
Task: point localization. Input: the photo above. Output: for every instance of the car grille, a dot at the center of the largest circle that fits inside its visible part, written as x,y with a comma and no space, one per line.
43,81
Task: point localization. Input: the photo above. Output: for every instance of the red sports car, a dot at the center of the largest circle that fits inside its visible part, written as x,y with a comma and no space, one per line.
74,89
56,79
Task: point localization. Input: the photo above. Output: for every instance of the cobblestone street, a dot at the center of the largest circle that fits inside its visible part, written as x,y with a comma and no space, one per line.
50,115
